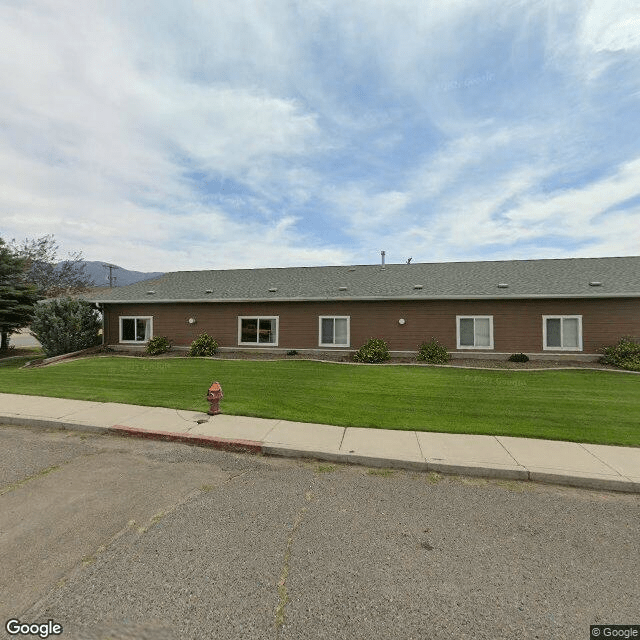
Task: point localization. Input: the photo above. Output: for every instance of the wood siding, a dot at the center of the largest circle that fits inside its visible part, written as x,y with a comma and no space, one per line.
517,324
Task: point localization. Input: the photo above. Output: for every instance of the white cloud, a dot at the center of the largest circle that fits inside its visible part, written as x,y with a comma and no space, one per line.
612,25
364,214
228,129
97,148
572,209
419,127
456,160
578,215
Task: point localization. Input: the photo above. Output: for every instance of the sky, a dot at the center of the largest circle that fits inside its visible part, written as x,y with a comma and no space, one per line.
164,135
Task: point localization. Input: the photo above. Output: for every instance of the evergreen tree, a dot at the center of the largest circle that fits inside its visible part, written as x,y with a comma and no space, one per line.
63,325
17,296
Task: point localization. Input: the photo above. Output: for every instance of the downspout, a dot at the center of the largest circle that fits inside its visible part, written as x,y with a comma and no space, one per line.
104,321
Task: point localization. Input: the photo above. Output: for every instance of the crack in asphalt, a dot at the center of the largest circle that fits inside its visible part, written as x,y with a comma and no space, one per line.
283,596
43,472
131,527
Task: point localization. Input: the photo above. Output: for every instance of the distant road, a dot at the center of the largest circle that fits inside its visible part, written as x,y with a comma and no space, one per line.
23,338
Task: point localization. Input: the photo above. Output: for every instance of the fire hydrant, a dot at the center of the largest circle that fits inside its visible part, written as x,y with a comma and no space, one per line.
213,398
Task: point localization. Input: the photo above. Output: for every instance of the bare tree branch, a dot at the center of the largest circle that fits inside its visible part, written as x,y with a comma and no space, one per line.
52,278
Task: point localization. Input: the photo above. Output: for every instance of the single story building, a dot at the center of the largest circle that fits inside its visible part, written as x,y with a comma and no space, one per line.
544,308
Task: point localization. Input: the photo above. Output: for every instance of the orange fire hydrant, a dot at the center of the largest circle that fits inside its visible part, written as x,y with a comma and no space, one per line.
213,398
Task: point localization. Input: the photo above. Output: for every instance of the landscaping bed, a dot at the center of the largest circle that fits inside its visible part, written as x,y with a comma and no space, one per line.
474,363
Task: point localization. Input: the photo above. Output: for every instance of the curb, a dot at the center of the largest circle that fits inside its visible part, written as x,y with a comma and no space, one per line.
585,482
48,423
223,444
522,474
622,485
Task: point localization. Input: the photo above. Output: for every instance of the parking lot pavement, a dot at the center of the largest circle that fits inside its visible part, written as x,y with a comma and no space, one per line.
122,538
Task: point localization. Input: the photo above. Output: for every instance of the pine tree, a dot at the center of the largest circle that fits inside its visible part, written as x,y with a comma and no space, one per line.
17,296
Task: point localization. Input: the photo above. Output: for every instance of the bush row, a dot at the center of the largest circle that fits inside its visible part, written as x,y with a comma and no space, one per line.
625,354
203,346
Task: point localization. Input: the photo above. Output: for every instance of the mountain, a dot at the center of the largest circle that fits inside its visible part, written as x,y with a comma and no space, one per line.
100,274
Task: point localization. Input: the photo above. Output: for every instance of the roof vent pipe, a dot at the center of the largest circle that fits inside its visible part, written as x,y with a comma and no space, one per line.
382,254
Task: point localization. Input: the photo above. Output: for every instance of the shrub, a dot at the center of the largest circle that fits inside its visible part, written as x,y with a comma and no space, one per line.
374,350
203,346
292,352
63,325
433,352
518,357
158,345
625,354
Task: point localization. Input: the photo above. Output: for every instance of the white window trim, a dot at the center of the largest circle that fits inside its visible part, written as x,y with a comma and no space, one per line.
466,346
333,344
258,344
561,318
121,318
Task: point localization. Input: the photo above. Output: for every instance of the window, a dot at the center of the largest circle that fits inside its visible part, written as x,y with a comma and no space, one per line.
474,332
258,331
334,331
562,332
136,329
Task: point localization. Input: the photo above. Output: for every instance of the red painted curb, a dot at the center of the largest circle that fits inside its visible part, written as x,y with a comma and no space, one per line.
246,446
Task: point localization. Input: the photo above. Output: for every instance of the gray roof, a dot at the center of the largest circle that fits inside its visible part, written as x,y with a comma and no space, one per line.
574,277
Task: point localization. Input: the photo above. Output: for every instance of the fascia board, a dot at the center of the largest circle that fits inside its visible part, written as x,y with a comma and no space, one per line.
541,296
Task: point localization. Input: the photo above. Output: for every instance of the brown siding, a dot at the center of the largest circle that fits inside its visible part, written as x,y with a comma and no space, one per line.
517,323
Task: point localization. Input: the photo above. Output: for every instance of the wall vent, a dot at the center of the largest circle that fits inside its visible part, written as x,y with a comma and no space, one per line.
418,286
273,289
502,285
209,291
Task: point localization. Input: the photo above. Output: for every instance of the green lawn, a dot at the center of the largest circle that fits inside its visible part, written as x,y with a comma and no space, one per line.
586,406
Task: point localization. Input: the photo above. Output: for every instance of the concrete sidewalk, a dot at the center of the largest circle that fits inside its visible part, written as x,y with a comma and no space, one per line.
568,463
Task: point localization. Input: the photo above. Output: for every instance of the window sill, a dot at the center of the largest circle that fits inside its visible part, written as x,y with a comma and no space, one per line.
490,348
262,345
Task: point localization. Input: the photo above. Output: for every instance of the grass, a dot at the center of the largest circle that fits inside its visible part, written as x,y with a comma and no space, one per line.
385,473
325,468
581,405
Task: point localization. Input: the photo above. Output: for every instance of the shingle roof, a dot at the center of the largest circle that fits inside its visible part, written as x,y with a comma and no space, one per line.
573,277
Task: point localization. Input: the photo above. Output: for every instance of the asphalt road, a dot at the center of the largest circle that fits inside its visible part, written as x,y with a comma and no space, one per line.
118,538
22,339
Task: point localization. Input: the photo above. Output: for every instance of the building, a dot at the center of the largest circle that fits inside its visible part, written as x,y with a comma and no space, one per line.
545,308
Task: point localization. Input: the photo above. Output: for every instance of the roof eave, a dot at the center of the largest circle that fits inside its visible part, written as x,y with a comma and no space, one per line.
539,296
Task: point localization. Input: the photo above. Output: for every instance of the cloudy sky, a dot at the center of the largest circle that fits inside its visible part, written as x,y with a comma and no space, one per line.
173,134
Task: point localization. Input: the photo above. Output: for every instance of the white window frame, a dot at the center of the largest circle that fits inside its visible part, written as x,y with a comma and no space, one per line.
333,344
121,318
466,346
258,344
562,319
